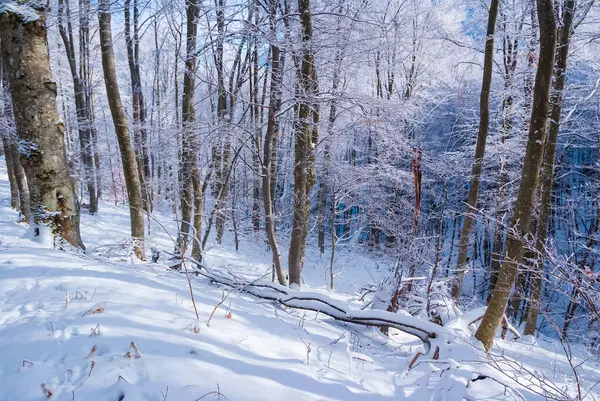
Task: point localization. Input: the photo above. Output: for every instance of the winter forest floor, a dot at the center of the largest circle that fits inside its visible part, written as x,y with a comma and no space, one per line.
67,321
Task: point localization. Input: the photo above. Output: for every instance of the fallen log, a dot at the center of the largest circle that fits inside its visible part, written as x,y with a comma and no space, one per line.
426,331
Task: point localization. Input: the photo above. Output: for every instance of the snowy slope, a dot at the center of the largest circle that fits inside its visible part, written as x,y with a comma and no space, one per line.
56,307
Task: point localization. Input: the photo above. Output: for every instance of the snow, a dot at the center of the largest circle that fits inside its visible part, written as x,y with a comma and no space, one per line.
68,320
24,10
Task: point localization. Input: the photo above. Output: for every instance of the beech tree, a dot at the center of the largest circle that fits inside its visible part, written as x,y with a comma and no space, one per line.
547,172
519,226
484,121
82,102
350,123
306,136
53,201
277,63
130,170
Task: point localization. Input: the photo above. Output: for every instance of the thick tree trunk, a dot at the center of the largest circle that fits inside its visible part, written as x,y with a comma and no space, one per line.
529,180
130,171
547,175
484,120
41,141
305,140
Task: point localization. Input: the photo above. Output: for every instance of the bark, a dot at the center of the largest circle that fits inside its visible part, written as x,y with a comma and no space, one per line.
21,179
12,179
41,140
270,137
85,76
547,175
255,113
305,141
188,113
322,197
529,180
221,150
198,205
138,107
84,124
484,120
8,140
130,171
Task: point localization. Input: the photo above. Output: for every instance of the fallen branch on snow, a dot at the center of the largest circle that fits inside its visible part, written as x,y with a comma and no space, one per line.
318,302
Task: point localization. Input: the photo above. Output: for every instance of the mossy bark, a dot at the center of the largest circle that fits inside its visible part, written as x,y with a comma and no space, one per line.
41,140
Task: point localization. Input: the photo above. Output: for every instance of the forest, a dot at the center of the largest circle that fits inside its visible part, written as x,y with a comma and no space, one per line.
420,172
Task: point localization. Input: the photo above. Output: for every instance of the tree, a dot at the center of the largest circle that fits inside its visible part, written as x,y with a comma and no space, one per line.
306,136
519,227
53,200
189,169
82,104
19,193
140,134
547,173
484,121
222,148
277,61
130,171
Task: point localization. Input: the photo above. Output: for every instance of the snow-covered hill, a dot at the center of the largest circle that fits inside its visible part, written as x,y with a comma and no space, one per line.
72,324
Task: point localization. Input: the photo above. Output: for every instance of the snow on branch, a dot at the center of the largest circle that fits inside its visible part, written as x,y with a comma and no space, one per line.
318,302
25,11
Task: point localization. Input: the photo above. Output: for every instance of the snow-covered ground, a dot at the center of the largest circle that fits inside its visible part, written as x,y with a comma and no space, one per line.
72,324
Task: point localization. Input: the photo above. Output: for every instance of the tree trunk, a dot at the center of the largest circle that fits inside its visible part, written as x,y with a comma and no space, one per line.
12,179
84,123
547,175
198,205
137,99
509,51
130,171
519,226
305,141
484,120
270,135
85,76
21,179
8,139
41,140
189,142
255,112
11,154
